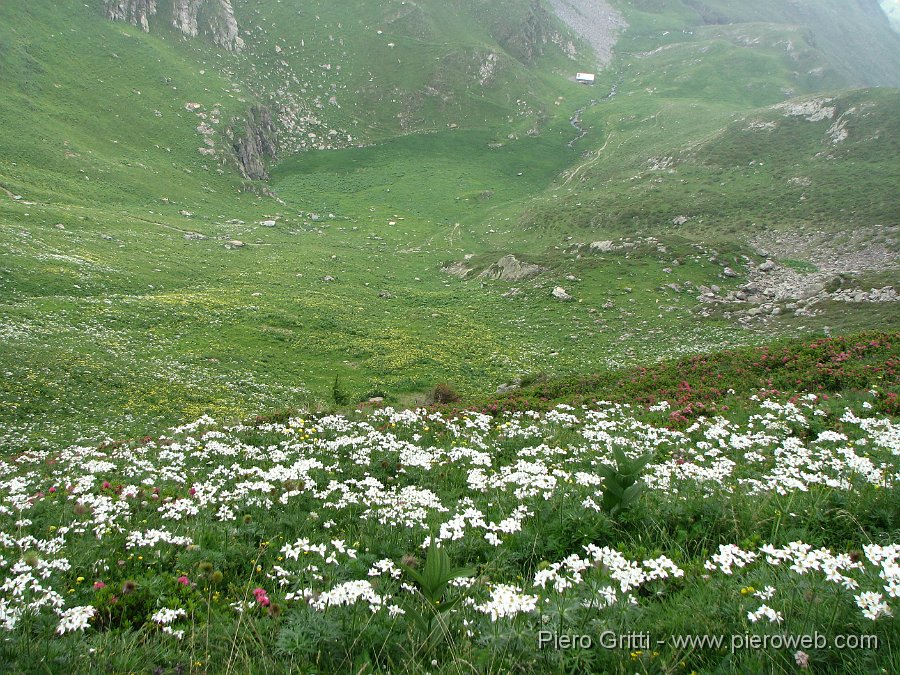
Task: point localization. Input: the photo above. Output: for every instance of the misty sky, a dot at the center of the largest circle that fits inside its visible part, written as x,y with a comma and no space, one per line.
892,7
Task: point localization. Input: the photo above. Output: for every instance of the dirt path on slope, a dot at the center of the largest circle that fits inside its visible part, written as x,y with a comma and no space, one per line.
593,159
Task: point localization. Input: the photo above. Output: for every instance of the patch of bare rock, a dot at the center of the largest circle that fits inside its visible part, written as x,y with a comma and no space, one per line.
508,268
819,269
560,293
595,21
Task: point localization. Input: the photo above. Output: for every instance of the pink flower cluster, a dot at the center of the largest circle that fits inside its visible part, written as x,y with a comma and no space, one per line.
262,597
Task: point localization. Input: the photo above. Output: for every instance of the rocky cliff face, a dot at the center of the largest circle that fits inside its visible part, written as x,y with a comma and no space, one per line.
137,12
254,141
214,18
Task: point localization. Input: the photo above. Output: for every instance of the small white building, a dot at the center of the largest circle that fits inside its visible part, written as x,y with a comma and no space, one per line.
585,78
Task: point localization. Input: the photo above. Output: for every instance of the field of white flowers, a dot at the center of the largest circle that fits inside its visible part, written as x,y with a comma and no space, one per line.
418,541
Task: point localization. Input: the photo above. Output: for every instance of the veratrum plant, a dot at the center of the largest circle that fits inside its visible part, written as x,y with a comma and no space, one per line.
338,394
621,484
432,583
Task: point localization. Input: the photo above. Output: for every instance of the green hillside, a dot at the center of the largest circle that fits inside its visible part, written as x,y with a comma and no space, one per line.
292,290
118,104
403,138
787,165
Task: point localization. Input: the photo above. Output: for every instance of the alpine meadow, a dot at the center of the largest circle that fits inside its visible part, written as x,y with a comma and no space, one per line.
449,336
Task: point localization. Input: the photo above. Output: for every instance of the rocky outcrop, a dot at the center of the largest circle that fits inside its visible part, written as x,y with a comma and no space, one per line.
823,270
214,18
254,141
458,269
137,12
561,294
509,268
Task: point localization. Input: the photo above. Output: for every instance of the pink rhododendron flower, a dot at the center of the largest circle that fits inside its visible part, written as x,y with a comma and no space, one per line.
262,597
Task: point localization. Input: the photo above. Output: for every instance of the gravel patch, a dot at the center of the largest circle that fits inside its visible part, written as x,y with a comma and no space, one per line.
595,21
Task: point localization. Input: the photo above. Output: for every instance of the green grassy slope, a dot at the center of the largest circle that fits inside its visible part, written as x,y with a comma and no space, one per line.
705,384
695,130
397,67
737,172
94,112
116,319
106,305
144,284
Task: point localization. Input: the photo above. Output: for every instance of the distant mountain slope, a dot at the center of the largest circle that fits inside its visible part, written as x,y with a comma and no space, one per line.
853,35
705,126
825,162
209,86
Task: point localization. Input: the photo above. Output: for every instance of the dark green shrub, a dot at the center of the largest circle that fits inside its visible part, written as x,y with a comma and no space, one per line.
444,393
